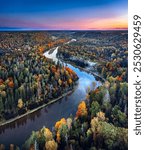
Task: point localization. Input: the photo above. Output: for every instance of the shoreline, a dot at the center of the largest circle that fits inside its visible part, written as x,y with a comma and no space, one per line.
38,108
88,71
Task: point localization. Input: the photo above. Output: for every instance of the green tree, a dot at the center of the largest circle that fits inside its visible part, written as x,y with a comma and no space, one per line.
119,118
95,108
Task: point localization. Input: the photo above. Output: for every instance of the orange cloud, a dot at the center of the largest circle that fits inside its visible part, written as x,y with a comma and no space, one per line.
110,23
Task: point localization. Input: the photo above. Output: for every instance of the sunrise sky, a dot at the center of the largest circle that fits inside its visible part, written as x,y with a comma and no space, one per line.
63,15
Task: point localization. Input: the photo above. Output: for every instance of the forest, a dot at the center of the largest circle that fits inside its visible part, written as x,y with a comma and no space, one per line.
28,80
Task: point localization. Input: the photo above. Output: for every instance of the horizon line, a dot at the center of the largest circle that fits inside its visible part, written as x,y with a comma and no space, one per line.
21,30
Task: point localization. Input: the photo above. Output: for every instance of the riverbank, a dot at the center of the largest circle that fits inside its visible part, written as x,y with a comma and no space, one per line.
98,77
38,108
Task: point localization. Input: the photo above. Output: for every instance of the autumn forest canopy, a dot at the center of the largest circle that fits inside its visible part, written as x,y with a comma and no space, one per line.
29,80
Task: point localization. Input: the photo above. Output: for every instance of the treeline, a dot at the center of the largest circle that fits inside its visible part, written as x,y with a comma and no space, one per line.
98,124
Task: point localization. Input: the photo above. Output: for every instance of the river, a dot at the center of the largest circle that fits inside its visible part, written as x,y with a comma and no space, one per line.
17,132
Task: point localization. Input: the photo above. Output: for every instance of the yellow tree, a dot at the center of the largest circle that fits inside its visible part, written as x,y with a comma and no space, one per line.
101,116
51,145
47,133
20,103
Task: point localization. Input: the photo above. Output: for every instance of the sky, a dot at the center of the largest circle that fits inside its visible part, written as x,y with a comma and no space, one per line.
63,15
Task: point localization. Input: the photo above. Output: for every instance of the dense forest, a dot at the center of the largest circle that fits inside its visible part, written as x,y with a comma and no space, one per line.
28,80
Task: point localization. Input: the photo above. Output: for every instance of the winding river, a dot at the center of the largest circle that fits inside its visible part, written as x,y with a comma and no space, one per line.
17,132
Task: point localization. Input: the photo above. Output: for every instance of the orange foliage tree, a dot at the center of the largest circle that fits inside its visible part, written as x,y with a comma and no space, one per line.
119,78
60,123
82,110
41,49
70,71
11,84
